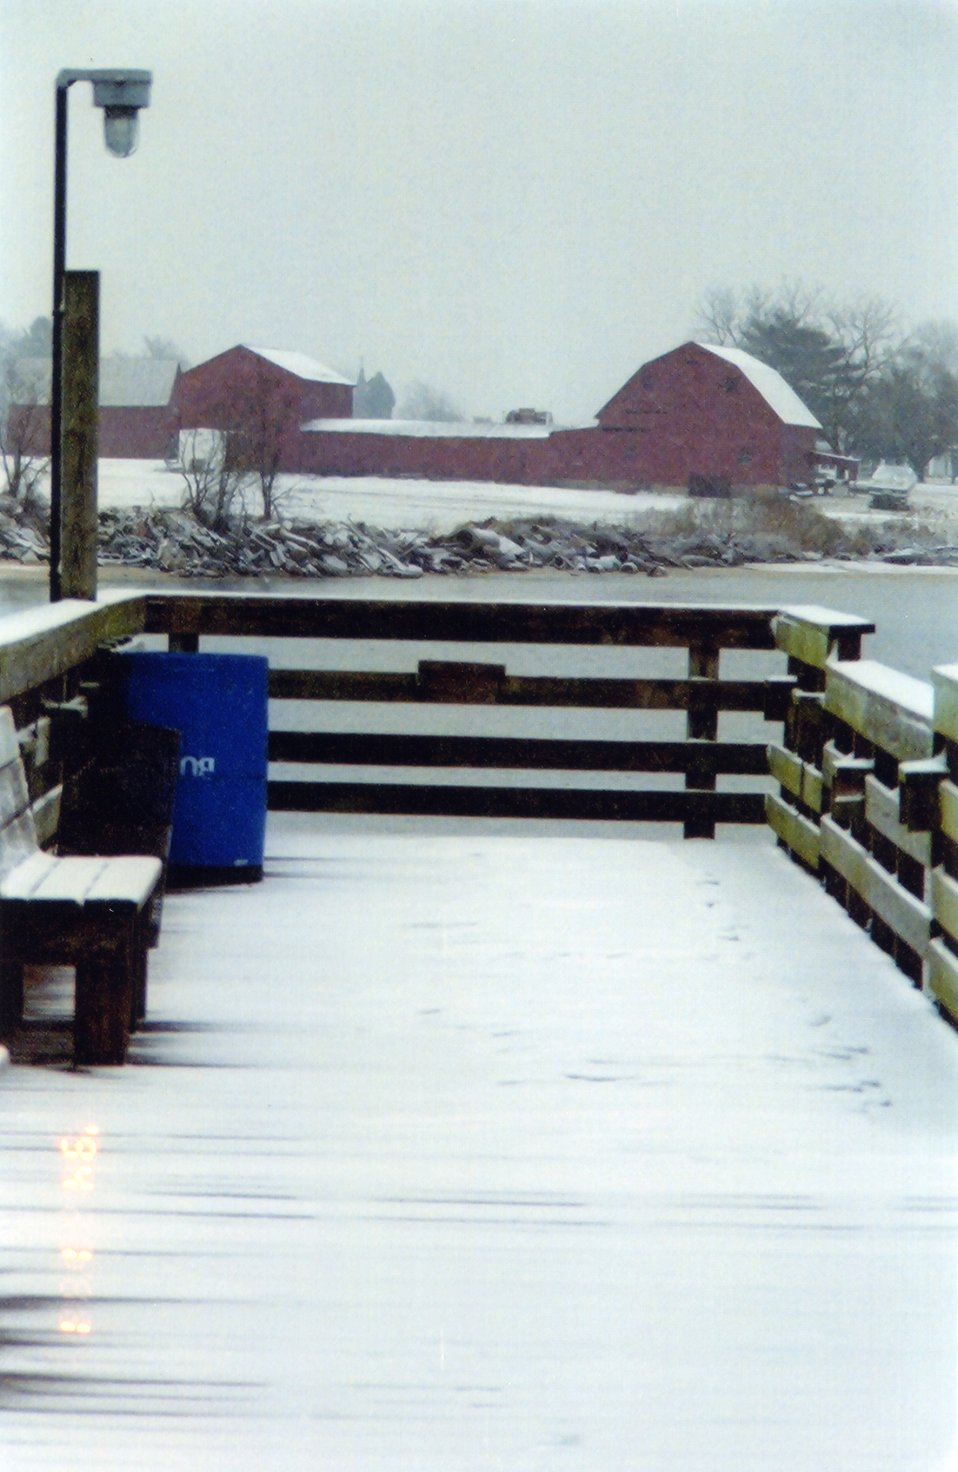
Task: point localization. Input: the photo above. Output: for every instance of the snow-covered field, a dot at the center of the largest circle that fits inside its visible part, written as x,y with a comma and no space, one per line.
443,505
405,503
460,1150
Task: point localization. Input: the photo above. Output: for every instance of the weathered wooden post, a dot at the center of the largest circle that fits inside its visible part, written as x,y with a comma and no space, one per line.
702,726
80,392
943,950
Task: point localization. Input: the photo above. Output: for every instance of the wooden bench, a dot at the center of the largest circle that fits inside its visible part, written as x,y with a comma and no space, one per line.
91,913
119,802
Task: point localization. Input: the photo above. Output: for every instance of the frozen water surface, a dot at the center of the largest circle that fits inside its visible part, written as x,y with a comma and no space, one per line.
461,1150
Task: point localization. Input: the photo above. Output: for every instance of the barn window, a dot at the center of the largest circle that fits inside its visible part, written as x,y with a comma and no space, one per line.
730,384
745,456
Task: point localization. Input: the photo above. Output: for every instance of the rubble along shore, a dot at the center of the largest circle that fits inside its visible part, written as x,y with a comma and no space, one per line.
176,542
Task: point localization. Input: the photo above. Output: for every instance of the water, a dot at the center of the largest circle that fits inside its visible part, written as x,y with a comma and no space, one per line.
915,610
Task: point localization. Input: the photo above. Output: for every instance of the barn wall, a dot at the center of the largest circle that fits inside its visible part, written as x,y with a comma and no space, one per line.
619,458
136,434
325,452
124,433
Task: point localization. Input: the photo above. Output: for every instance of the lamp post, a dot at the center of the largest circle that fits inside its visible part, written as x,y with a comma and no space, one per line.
121,94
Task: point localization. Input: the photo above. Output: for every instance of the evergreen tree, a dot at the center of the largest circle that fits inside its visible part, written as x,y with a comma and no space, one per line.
372,397
911,411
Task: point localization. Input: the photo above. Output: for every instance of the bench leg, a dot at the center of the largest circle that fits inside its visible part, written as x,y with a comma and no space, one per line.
140,964
104,1001
11,995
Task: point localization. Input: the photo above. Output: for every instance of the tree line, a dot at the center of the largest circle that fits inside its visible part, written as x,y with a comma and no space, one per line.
880,392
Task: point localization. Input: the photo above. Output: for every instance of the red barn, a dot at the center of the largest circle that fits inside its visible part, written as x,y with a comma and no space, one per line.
220,392
136,420
710,413
716,413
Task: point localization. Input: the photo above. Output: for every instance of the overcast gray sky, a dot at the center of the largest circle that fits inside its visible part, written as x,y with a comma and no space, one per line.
516,200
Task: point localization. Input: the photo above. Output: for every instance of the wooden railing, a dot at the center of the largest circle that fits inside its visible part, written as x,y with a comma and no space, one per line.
868,800
589,662
47,657
936,802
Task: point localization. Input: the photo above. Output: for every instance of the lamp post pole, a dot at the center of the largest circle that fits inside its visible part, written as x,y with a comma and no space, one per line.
56,386
121,94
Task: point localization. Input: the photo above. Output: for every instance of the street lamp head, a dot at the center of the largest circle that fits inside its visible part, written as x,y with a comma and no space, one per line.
121,129
121,93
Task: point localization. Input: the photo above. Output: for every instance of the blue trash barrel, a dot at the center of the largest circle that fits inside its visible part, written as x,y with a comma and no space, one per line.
218,703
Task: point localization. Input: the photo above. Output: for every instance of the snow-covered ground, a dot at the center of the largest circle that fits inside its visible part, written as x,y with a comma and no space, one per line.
458,1148
404,503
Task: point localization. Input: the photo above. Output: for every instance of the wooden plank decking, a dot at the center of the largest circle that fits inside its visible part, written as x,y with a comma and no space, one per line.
457,1153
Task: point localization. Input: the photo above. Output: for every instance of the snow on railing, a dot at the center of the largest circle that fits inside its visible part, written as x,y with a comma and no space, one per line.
868,799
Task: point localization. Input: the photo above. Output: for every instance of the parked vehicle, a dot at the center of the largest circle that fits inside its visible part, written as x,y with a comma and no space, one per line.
888,487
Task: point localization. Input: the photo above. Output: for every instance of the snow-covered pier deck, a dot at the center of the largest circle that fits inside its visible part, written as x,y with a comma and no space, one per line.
451,1148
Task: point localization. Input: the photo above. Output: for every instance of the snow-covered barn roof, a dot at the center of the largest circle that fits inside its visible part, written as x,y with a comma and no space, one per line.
136,382
778,394
125,383
299,364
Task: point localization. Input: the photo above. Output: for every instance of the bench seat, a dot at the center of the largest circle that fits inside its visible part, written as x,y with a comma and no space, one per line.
45,879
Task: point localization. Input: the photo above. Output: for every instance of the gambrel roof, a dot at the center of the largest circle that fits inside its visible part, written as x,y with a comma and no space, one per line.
778,394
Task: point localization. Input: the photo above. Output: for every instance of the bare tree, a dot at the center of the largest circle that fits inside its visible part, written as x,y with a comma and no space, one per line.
264,412
422,401
165,349
214,476
869,336
727,318
254,417
24,431
718,317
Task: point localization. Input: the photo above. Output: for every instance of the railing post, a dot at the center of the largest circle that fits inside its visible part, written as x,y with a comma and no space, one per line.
872,860
943,950
702,725
81,358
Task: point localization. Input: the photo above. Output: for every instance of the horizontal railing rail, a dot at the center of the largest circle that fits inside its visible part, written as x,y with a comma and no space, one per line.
47,657
403,771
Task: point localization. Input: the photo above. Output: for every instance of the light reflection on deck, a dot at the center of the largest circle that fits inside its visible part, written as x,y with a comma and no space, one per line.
78,1158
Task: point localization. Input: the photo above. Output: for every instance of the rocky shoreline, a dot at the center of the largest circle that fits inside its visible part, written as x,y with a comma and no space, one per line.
175,542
